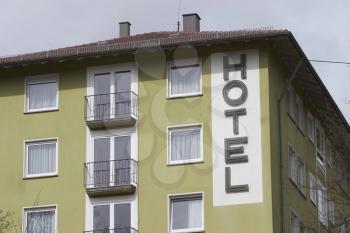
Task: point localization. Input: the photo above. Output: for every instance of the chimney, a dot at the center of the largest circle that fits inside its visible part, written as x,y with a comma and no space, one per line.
191,22
124,29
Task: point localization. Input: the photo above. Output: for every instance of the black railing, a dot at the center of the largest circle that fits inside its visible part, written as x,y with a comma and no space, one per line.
116,230
110,173
110,106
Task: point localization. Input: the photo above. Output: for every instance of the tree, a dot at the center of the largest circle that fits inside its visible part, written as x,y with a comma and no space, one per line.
6,222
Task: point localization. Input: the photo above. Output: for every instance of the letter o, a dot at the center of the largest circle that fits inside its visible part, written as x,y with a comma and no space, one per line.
235,84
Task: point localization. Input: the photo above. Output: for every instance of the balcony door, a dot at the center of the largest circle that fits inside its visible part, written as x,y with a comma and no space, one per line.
123,164
122,83
102,162
101,219
113,218
102,97
122,218
112,89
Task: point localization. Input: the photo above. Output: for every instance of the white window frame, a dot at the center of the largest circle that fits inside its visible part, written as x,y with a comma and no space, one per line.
311,137
291,103
43,208
292,212
331,212
111,201
300,114
184,196
301,187
180,63
322,193
295,159
186,161
25,160
41,79
321,151
313,190
329,152
92,71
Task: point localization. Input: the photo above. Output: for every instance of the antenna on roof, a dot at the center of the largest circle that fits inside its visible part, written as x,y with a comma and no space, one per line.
178,16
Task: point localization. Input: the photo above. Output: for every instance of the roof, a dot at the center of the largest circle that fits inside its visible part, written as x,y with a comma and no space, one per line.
282,41
139,41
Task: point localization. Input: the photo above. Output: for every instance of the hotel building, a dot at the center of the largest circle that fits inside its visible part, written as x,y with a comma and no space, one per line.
169,132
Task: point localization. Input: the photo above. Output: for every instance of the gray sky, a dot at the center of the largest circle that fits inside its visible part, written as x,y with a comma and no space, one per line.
320,26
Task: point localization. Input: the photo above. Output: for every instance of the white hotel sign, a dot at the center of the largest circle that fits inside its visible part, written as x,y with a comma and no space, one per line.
236,128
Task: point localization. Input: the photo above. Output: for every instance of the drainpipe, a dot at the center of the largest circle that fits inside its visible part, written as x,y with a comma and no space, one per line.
279,101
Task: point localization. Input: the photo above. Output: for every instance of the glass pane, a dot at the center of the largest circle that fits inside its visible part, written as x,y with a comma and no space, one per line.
185,80
122,217
123,95
185,144
41,222
42,95
101,162
41,158
186,214
101,106
122,164
101,218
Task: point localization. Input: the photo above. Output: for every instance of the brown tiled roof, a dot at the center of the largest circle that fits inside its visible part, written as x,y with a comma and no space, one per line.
139,41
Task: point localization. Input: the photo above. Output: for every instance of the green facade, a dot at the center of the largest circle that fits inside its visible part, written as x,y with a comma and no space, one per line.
156,179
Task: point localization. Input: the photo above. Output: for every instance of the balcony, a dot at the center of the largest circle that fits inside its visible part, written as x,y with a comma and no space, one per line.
111,110
113,177
117,230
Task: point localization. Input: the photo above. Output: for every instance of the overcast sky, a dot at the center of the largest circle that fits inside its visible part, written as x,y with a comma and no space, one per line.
321,27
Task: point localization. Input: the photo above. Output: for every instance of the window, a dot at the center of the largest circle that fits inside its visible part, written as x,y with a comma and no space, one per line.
301,176
293,165
313,188
186,213
42,93
320,145
291,103
112,217
184,79
331,212
41,158
299,113
311,127
112,162
322,204
294,223
185,144
329,153
37,220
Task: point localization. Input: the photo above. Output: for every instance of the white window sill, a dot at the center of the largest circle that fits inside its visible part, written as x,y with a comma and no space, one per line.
185,95
187,231
41,110
28,177
184,162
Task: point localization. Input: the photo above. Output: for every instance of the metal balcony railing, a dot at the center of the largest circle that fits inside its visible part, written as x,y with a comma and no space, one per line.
110,107
116,230
111,173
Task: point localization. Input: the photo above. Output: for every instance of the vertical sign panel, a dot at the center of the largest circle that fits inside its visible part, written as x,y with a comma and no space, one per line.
236,128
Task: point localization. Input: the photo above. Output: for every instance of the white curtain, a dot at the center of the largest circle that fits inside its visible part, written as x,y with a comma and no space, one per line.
185,80
41,158
185,144
40,222
194,214
42,95
187,214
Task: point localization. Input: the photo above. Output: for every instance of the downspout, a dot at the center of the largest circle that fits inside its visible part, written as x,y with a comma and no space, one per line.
279,101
